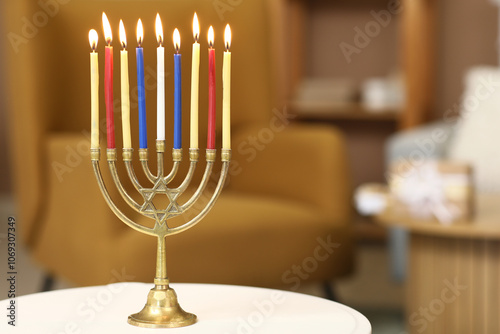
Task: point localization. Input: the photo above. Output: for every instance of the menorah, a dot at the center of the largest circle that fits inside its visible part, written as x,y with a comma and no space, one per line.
162,308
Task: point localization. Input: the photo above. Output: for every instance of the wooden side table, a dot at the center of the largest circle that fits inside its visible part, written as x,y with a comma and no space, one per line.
454,272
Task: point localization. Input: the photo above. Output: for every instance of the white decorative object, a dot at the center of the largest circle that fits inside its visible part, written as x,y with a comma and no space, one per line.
423,193
433,189
477,138
371,198
382,94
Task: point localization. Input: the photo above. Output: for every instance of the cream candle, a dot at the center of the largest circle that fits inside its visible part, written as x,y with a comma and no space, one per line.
195,84
226,91
125,96
94,90
160,85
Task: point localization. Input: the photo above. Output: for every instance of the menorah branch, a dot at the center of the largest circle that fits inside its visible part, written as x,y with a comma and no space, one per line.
193,158
176,158
225,157
143,158
127,159
95,156
111,155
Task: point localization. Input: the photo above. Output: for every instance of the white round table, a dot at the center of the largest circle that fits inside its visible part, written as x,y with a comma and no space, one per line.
221,309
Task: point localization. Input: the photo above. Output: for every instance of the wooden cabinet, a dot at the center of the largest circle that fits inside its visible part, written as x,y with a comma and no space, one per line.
357,40
360,39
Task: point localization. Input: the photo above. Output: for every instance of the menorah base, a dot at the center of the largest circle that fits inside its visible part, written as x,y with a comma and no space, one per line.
162,310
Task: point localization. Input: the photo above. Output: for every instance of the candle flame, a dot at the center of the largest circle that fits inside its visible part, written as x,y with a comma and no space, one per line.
177,40
159,30
93,38
211,37
196,28
140,33
123,36
227,37
108,36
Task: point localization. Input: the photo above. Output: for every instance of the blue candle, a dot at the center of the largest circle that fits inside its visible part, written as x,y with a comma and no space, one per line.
141,88
177,92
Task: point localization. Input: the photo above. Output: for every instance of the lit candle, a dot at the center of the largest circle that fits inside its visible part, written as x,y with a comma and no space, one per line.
177,91
108,82
127,142
226,91
211,90
94,91
195,83
160,83
141,88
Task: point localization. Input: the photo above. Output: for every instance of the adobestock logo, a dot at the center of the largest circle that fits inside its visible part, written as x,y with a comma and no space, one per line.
448,295
264,309
222,6
321,253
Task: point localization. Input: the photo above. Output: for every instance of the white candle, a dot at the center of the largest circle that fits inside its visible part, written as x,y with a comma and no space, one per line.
127,140
160,85
226,91
195,79
94,90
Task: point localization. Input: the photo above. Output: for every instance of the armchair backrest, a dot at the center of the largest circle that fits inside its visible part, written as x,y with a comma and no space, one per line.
49,80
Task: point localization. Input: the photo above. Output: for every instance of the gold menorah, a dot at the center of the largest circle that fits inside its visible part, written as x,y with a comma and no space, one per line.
162,308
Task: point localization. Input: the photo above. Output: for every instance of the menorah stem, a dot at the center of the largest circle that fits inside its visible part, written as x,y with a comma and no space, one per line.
161,278
162,308
160,150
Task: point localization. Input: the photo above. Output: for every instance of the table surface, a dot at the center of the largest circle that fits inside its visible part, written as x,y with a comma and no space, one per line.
221,309
485,223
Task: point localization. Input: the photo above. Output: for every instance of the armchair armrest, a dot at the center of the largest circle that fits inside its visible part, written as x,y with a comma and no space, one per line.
306,163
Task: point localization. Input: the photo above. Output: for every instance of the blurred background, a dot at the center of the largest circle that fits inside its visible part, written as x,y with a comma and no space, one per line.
324,94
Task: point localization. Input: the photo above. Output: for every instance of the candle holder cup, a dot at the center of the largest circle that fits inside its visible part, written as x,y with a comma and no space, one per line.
162,309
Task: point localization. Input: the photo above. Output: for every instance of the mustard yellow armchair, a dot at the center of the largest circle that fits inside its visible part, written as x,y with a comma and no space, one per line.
284,215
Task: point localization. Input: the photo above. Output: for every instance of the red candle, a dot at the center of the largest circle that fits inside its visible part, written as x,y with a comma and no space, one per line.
211,90
108,83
